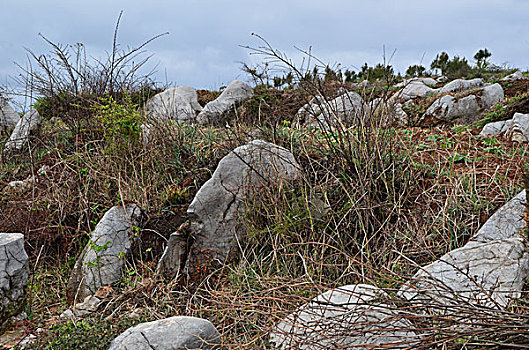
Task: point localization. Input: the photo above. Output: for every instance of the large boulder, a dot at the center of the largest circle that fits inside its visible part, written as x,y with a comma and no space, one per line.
348,317
178,103
460,85
237,91
484,274
8,117
20,134
13,275
449,109
174,333
515,129
214,211
101,261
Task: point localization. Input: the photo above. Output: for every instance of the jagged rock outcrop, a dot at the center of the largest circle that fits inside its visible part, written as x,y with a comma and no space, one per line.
237,91
101,261
514,76
20,134
14,272
178,103
214,210
515,129
348,317
8,117
179,332
488,274
489,270
450,109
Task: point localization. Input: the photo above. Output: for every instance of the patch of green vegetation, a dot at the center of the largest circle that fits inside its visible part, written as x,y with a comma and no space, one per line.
89,333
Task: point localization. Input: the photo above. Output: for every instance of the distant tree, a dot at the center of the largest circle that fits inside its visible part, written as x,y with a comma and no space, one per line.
440,62
481,58
379,72
350,76
457,68
332,75
415,71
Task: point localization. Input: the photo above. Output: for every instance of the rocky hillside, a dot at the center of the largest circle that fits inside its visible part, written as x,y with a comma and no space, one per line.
326,214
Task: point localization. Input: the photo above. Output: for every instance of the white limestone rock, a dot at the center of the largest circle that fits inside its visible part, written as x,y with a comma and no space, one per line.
348,109
489,274
415,89
178,103
515,129
348,317
448,109
491,95
174,333
514,76
20,134
172,259
8,117
506,223
389,112
237,91
459,85
102,260
426,81
214,211
14,272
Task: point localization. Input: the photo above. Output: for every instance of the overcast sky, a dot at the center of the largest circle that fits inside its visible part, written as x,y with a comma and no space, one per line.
203,47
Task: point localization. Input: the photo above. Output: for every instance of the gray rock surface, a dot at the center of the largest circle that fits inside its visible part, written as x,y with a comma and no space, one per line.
348,109
237,91
389,112
13,275
214,211
506,223
172,259
491,95
459,85
488,274
8,117
20,134
515,76
448,109
178,103
348,317
102,260
174,333
427,81
415,89
515,129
